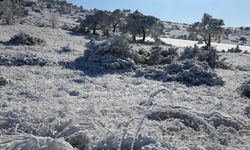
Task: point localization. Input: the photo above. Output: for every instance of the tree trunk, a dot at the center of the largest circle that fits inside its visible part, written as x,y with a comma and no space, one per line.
144,34
94,31
134,37
209,42
114,27
94,28
107,33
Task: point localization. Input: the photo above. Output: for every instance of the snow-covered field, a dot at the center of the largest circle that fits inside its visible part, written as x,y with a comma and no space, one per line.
189,43
219,46
54,101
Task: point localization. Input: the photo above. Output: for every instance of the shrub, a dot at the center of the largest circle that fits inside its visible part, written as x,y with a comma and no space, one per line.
3,81
210,56
21,60
243,39
245,52
235,50
25,39
116,53
191,73
191,52
244,89
112,54
65,49
160,55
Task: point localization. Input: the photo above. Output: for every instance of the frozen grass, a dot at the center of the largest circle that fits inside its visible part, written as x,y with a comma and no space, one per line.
46,104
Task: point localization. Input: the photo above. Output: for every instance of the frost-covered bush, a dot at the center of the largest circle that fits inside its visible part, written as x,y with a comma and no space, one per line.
26,39
115,53
245,89
196,53
243,39
191,52
21,60
187,72
65,49
235,50
162,55
3,81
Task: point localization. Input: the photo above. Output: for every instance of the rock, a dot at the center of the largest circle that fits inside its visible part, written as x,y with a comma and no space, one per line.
74,93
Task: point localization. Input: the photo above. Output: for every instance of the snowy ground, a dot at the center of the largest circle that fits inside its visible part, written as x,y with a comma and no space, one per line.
219,46
43,101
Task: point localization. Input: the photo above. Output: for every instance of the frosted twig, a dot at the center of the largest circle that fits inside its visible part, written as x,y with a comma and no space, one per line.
150,101
125,132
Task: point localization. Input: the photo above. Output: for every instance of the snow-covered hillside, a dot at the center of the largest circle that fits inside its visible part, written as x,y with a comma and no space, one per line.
51,99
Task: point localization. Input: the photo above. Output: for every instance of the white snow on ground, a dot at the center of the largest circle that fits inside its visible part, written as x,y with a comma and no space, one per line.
44,101
185,43
188,43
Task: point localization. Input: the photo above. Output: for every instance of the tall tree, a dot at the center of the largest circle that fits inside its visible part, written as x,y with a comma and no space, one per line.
137,23
209,29
94,21
116,17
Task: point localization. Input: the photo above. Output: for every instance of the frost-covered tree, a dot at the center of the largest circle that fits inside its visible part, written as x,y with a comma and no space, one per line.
105,23
94,21
137,23
209,28
156,30
116,17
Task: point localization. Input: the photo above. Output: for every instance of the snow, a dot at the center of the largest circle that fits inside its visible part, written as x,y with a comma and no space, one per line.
58,105
188,43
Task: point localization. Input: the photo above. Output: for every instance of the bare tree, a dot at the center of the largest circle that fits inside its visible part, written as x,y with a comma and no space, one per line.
209,28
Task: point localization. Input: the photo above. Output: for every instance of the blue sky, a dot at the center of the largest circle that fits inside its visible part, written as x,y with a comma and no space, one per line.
234,12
